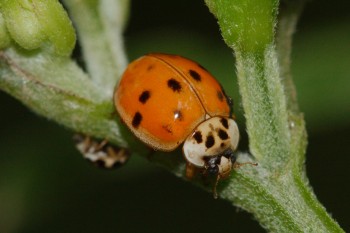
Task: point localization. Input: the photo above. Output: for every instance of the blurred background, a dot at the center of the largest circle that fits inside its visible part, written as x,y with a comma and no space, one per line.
45,185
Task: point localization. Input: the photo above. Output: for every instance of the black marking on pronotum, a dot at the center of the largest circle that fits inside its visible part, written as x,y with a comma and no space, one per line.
224,122
144,96
178,115
209,142
136,120
222,134
220,95
195,75
198,137
174,85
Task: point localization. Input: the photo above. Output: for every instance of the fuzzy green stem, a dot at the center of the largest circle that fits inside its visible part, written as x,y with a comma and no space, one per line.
277,191
101,24
55,87
282,202
289,15
264,105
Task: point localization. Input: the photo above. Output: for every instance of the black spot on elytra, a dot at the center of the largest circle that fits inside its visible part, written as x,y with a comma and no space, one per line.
222,134
195,75
220,95
150,67
136,120
198,137
209,142
174,85
224,122
144,96
222,144
178,115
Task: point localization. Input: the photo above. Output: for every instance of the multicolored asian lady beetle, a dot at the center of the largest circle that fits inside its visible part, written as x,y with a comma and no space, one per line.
166,100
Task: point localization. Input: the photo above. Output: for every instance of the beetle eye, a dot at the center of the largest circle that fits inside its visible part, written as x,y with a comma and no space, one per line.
230,155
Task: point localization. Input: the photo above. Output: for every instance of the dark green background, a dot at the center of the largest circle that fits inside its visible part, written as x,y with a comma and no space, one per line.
45,186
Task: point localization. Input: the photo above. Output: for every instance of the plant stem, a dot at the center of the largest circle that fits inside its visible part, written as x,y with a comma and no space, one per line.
101,25
264,106
55,87
277,192
287,21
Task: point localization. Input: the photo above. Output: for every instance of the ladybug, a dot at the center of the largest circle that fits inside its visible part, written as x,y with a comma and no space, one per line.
168,100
